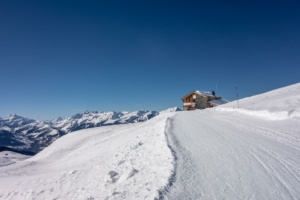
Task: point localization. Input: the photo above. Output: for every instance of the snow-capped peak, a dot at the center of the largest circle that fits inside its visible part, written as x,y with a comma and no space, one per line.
33,135
174,109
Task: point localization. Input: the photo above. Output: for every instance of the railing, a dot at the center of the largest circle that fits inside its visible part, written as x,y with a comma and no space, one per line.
189,104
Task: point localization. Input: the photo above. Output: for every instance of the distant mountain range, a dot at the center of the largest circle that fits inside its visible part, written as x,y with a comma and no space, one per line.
23,134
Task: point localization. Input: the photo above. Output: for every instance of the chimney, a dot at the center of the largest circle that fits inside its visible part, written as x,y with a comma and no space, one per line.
213,93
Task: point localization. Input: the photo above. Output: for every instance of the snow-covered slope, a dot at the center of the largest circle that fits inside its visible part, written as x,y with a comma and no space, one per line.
174,109
278,104
226,153
9,157
30,135
217,153
282,99
130,161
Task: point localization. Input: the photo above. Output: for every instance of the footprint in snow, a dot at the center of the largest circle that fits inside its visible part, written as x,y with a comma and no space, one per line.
121,162
113,176
127,175
132,173
137,146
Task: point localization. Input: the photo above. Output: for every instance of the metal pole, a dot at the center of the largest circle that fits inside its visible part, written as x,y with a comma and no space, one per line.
237,97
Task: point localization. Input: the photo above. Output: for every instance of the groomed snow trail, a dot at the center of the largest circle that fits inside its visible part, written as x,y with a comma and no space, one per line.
229,155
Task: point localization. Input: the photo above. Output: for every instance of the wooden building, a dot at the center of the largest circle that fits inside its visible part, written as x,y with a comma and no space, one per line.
201,100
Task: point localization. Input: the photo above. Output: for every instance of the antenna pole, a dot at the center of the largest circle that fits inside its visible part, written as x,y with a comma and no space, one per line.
216,88
237,96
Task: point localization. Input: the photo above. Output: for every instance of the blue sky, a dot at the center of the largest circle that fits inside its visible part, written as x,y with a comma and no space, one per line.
58,58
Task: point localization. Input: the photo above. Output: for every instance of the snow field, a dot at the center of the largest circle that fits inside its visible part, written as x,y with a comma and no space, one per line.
224,155
279,104
251,152
129,161
282,99
279,115
221,153
9,157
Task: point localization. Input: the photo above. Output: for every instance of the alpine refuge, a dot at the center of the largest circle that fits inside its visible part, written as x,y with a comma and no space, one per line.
201,100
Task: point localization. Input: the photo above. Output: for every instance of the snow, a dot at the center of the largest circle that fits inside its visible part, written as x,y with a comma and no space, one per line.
230,153
218,102
58,119
225,152
174,109
279,115
30,135
8,158
206,93
279,104
5,128
282,99
53,132
221,156
111,162
93,119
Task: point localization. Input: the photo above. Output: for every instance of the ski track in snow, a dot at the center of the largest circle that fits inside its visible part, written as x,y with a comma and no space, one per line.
234,157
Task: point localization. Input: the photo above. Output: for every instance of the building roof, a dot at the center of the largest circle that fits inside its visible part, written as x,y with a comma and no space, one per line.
218,102
208,94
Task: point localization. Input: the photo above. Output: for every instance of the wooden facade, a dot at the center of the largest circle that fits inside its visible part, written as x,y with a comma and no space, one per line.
198,100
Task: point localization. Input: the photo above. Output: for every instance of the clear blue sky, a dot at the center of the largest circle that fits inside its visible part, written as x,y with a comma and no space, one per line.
58,58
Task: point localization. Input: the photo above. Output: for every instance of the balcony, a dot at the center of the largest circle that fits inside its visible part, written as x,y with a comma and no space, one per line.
189,104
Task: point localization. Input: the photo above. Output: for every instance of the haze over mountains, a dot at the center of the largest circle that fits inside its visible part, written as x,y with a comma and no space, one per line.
25,134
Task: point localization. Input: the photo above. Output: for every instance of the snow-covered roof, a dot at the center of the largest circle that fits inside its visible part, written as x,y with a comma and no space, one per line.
218,102
205,93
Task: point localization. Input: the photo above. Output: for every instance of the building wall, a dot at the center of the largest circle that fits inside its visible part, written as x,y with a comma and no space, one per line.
201,101
189,99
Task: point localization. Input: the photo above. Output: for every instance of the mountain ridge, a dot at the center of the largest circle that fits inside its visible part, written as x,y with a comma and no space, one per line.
24,134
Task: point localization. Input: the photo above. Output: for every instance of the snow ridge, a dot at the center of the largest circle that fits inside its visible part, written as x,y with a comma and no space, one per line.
174,109
282,99
279,104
